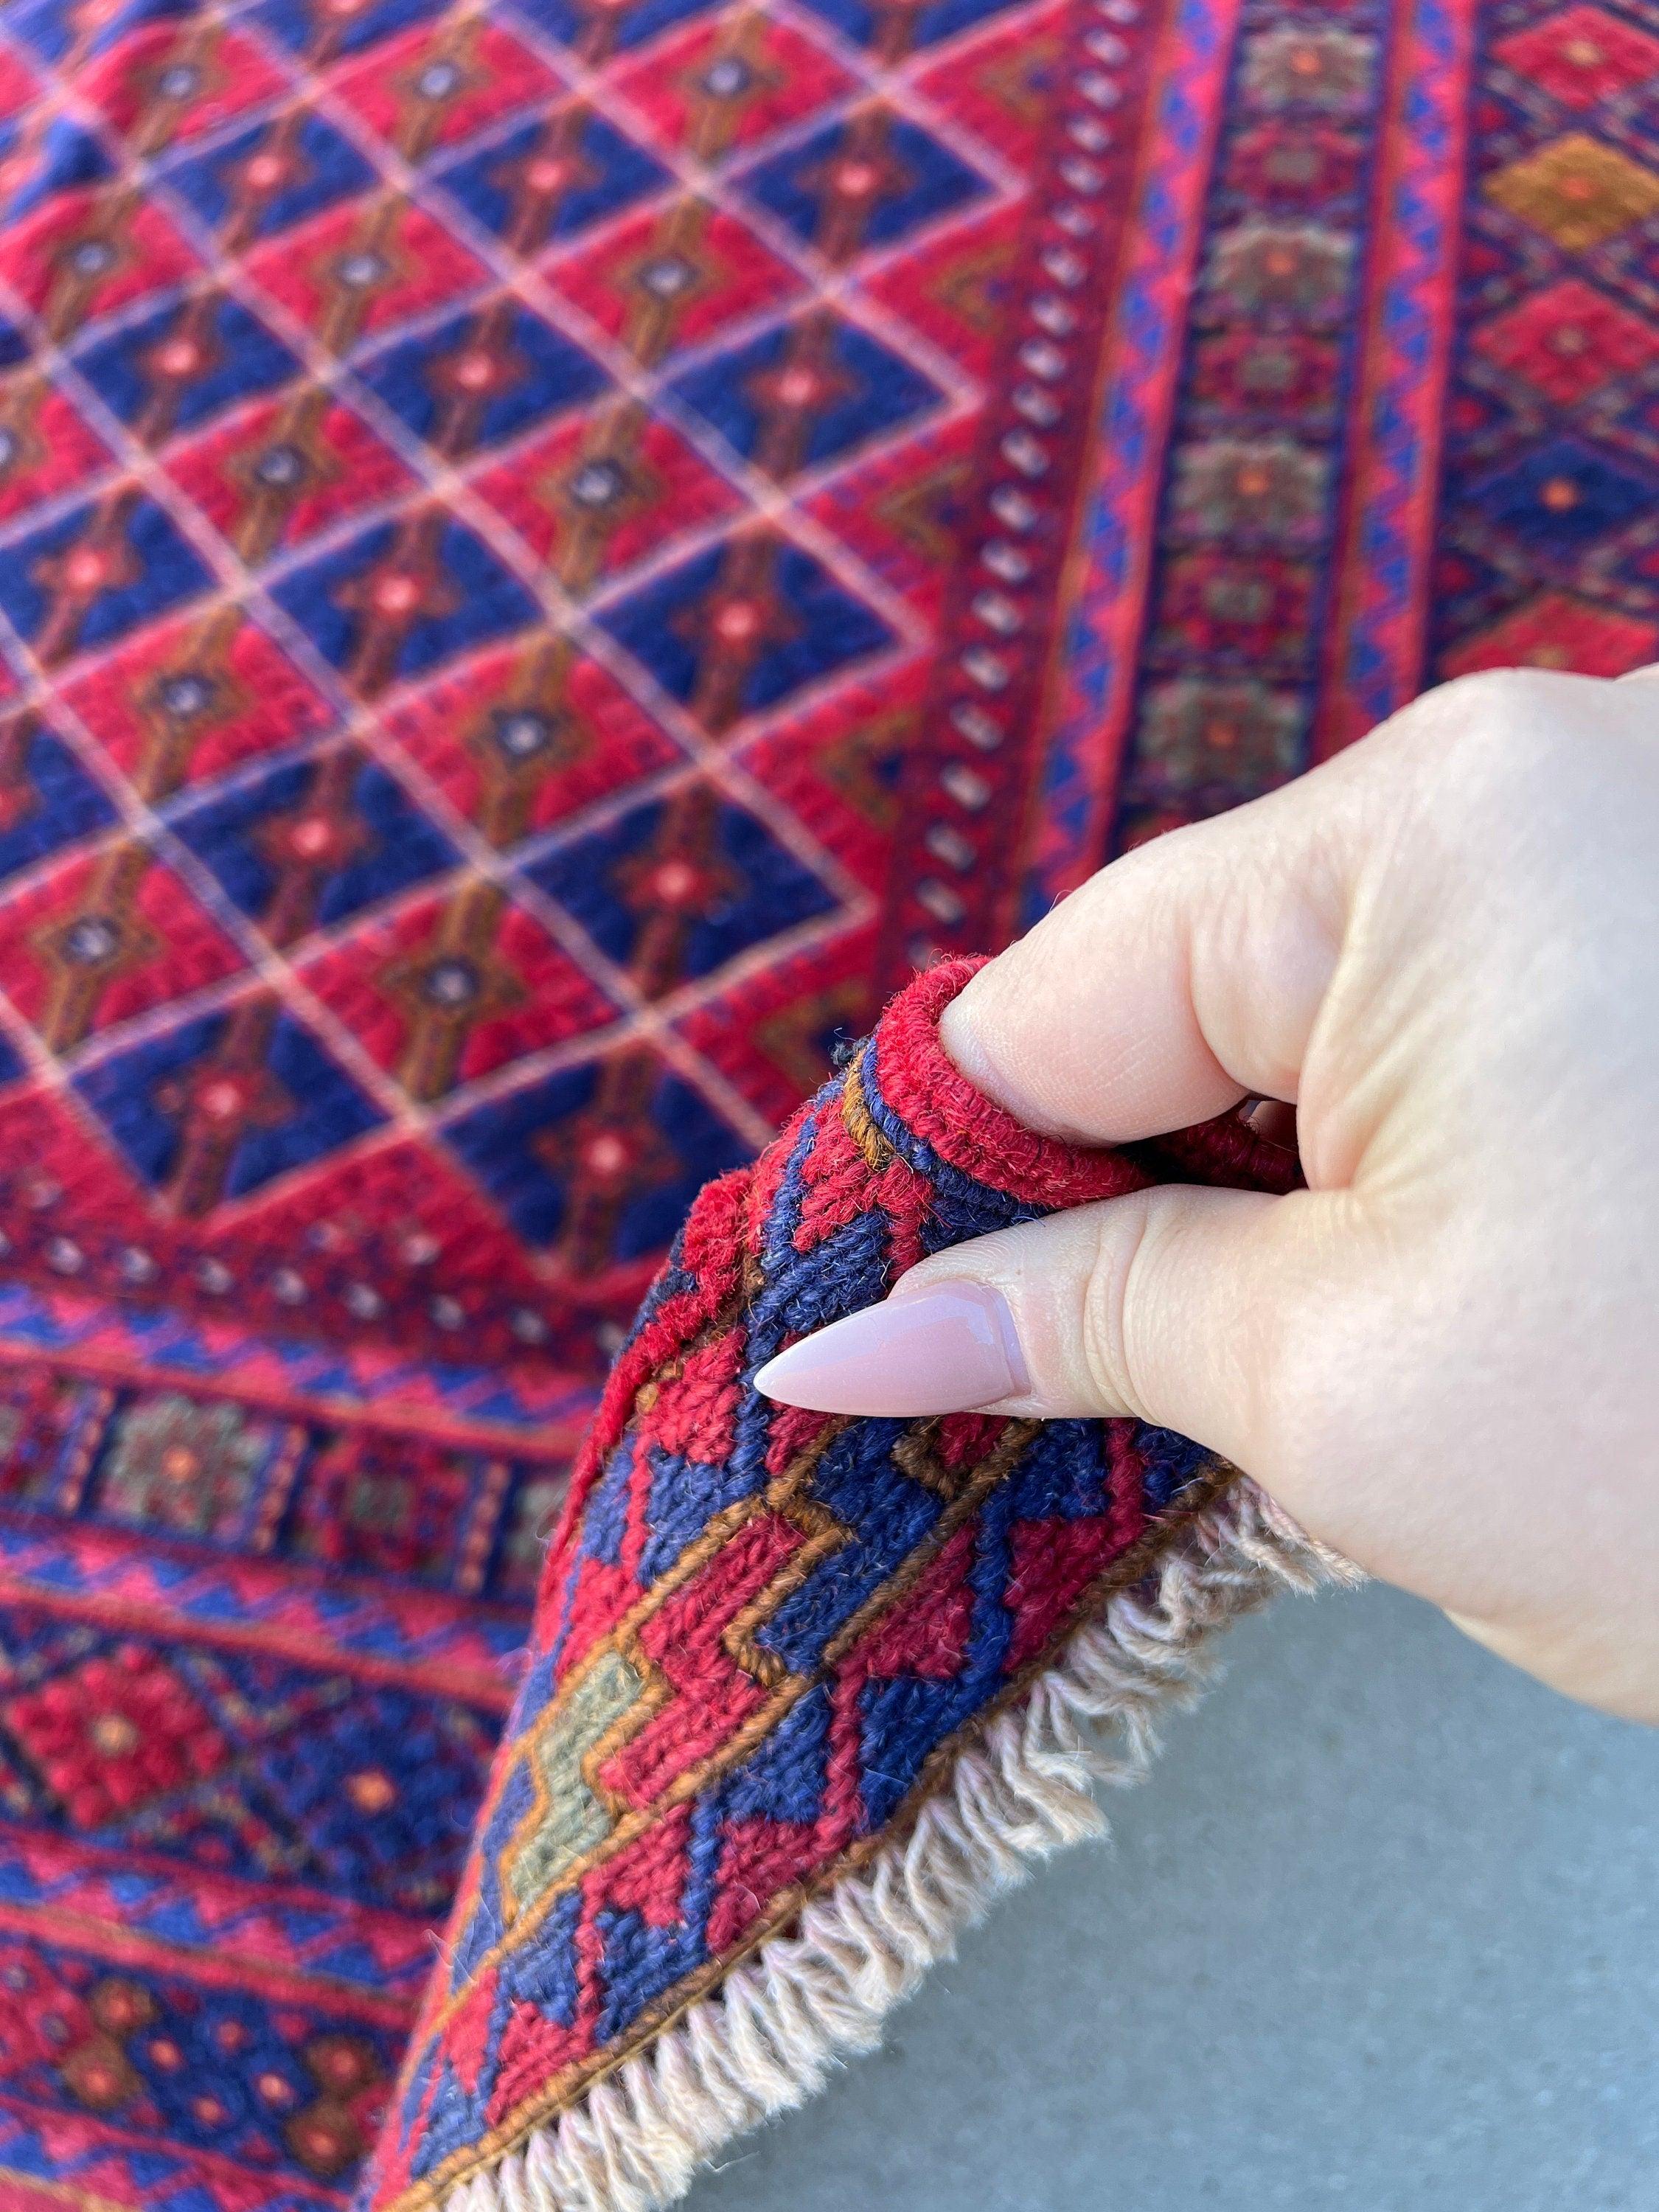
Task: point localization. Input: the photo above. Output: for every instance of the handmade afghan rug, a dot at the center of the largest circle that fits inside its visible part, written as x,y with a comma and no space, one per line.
552,552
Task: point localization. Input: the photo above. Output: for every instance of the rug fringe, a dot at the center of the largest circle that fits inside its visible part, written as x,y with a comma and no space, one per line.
768,2037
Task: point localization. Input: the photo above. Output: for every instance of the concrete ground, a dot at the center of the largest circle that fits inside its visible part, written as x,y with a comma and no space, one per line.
1382,1931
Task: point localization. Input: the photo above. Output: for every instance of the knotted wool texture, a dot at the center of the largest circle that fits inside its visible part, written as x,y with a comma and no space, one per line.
803,1689
552,554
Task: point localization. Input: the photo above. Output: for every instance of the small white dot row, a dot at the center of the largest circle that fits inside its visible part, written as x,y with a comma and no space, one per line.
1047,358
138,1267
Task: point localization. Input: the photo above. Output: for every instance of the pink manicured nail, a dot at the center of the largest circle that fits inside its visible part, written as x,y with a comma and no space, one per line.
940,1350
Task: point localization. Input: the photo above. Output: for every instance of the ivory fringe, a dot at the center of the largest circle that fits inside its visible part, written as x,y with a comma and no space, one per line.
768,2037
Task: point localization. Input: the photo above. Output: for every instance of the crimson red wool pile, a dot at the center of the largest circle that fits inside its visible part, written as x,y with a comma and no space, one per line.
550,552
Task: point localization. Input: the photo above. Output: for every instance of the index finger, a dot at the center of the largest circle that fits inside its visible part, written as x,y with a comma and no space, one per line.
1182,978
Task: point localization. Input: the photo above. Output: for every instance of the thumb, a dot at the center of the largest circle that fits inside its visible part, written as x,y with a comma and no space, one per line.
1184,1306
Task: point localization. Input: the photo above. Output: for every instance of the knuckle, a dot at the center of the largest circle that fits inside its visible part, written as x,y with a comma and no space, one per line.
1303,1389
1485,748
1494,697
1103,1334
1285,1386
1487,728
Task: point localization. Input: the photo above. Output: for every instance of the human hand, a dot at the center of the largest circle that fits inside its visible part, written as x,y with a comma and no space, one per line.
1442,1356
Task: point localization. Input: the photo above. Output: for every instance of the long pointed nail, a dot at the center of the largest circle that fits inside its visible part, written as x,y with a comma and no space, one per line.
939,1350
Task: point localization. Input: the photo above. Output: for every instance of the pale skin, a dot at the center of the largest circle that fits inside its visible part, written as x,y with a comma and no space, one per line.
1443,1356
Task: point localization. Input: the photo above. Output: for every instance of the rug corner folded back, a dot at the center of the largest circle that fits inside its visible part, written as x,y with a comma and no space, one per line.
804,1691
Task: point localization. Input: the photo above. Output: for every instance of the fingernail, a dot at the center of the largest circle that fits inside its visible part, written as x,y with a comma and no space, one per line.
939,1351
